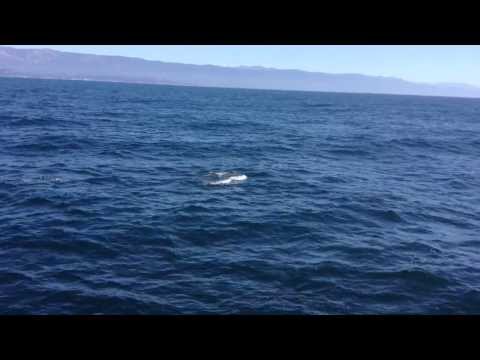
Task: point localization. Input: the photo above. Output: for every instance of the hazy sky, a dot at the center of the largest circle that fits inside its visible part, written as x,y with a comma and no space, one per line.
416,63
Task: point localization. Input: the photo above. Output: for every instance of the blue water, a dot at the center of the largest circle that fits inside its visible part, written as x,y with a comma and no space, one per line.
353,204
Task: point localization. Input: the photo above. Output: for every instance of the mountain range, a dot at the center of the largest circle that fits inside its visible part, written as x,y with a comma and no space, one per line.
53,64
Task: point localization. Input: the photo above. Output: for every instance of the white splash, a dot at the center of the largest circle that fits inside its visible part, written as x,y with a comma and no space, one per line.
226,178
231,179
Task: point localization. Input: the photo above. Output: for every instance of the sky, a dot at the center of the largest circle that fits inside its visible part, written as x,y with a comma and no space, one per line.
420,63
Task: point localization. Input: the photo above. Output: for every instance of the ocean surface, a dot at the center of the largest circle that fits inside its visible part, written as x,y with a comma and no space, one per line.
143,199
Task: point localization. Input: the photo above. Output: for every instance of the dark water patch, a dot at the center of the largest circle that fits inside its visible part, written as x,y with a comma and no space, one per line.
411,142
419,248
458,185
333,179
357,153
417,278
319,105
353,251
59,241
37,201
462,224
67,276
81,302
105,180
80,213
471,243
41,122
366,211
63,144
388,215
13,277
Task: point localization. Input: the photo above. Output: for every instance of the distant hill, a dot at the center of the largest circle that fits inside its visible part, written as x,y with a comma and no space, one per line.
46,63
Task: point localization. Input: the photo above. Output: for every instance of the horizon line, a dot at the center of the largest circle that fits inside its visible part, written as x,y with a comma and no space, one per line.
252,67
231,87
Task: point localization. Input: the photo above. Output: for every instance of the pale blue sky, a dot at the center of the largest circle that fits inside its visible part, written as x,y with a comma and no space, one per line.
420,63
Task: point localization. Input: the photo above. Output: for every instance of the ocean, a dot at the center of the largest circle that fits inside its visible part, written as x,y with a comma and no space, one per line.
145,199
